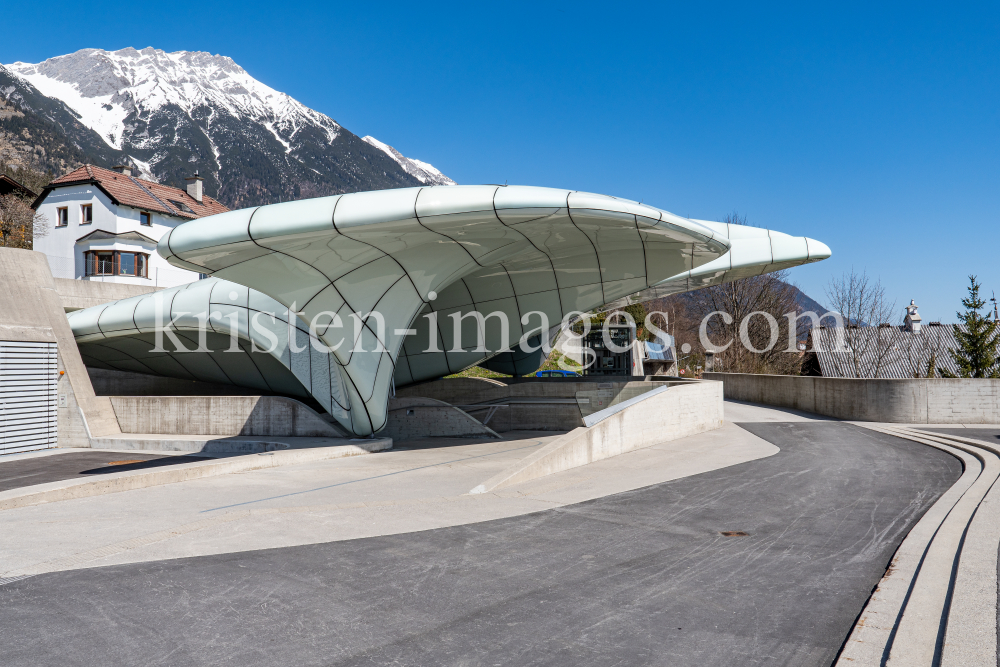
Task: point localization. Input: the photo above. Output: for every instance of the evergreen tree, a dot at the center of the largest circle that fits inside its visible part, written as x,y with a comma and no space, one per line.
977,345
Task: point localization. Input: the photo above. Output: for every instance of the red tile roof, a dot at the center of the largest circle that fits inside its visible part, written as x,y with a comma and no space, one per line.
137,193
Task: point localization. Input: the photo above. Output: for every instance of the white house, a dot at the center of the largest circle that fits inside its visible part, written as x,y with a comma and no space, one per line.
104,225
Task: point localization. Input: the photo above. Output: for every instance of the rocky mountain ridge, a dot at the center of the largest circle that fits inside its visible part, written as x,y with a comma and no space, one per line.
172,113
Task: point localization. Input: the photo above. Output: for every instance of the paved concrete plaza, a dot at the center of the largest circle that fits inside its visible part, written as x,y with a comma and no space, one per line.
418,485
385,559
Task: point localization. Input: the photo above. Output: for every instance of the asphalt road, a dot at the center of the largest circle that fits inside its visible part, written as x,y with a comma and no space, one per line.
638,578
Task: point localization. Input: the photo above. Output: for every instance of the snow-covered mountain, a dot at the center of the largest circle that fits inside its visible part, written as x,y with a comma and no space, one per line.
423,172
172,113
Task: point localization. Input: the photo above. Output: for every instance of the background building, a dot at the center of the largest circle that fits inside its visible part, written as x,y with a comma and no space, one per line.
104,225
10,186
911,350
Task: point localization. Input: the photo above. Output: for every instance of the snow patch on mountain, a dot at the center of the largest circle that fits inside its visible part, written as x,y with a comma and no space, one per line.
100,113
177,112
145,169
423,172
104,87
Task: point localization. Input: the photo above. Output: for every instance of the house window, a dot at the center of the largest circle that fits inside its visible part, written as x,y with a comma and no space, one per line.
116,263
62,216
100,264
86,214
126,264
144,219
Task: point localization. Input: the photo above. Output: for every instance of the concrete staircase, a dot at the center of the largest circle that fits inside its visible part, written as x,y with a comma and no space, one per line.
937,603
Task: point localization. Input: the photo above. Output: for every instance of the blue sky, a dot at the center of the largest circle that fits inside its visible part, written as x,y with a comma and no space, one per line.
873,129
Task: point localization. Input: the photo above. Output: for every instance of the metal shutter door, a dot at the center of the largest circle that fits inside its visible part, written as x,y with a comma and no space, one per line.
28,377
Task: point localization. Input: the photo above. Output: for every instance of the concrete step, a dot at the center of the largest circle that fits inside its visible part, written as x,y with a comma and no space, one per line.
301,450
937,603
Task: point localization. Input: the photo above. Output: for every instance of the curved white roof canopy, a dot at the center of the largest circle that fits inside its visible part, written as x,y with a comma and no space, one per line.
509,249
268,355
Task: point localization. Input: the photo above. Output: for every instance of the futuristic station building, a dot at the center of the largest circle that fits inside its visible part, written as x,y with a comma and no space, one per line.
341,298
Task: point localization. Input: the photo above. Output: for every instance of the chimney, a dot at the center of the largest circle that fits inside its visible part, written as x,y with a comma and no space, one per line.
912,321
194,186
123,169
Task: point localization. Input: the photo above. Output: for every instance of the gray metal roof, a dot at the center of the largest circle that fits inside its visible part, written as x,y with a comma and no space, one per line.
883,352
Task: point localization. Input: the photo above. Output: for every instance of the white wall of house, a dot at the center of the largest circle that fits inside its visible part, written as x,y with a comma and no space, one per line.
66,255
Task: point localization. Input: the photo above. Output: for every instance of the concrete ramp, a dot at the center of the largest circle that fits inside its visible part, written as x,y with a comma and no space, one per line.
659,415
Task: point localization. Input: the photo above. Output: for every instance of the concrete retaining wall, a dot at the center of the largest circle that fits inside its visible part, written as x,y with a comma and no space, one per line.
123,383
30,308
910,401
411,418
533,417
663,414
456,390
80,294
220,415
542,404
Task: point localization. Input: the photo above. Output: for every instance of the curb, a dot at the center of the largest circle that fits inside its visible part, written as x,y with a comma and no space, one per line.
127,481
937,602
